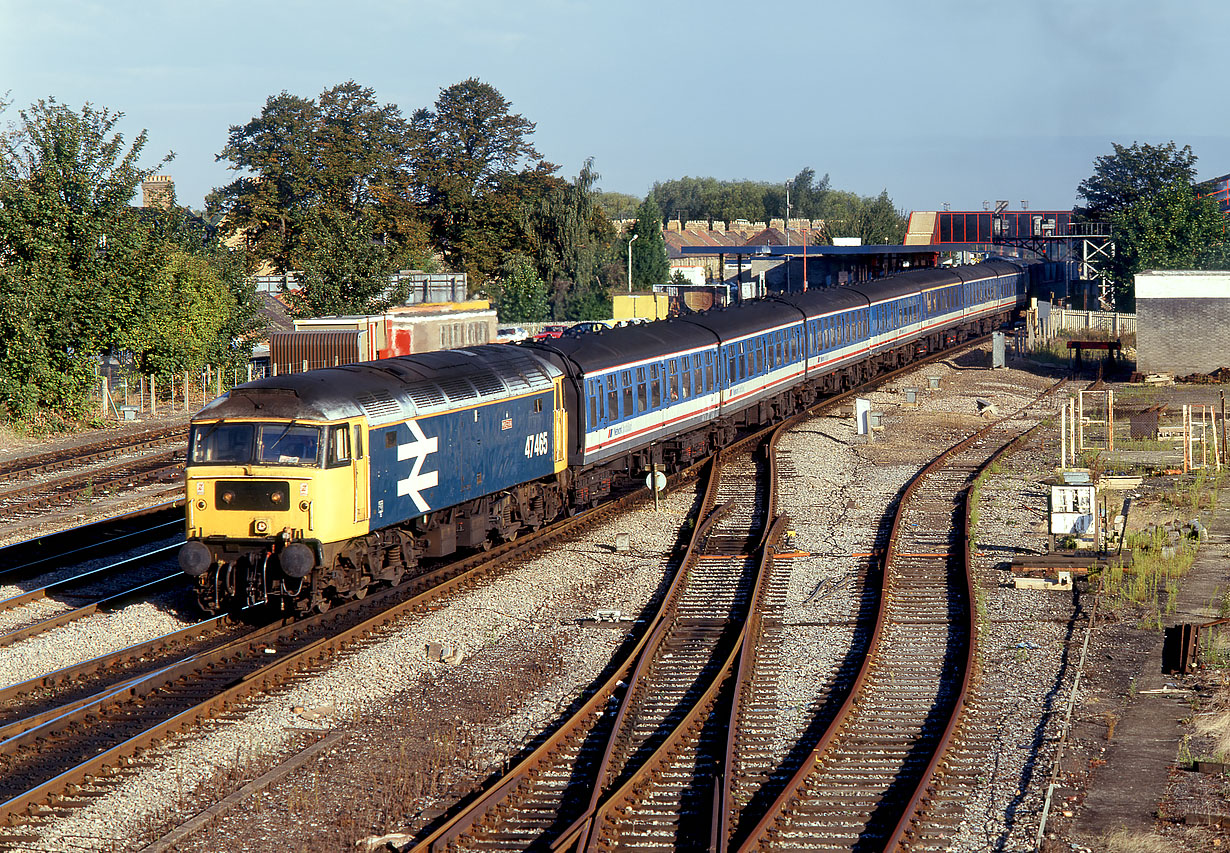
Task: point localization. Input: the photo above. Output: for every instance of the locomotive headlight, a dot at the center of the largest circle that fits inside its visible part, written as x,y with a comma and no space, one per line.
200,504
277,498
228,496
261,525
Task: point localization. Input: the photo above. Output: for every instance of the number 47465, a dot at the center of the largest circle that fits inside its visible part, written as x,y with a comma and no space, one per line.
536,445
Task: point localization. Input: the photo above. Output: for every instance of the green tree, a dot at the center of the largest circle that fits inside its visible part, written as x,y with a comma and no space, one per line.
75,254
465,148
522,293
650,264
709,199
187,314
343,270
616,205
566,228
876,221
317,172
1130,174
1157,221
1170,229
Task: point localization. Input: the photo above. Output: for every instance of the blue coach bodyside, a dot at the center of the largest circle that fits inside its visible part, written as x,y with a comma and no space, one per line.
761,353
633,385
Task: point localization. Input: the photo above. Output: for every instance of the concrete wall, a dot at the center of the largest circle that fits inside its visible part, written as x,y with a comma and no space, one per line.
1182,322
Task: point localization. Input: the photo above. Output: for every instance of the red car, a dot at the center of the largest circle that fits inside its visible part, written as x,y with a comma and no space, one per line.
549,332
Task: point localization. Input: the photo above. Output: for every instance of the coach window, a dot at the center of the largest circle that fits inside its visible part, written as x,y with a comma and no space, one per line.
593,402
626,388
655,386
642,391
709,383
732,372
339,446
612,397
760,358
672,370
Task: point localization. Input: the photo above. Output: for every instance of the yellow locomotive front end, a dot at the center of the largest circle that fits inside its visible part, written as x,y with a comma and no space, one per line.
266,500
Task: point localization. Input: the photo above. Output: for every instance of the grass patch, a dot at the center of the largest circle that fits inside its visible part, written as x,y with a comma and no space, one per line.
1152,579
1215,648
1215,725
1129,841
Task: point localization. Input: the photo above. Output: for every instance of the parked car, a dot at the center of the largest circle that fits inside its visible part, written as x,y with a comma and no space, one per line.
549,332
510,334
585,327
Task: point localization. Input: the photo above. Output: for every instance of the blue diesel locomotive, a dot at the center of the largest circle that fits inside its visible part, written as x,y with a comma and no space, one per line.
306,489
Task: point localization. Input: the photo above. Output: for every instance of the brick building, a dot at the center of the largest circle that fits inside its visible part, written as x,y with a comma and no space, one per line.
1182,321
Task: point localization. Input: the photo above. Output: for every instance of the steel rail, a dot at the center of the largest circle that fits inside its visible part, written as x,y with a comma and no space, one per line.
86,453
61,586
465,820
911,815
359,619
628,793
791,790
30,557
477,809
153,587
147,469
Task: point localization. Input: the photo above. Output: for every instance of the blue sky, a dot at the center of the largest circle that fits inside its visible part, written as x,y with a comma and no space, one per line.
945,101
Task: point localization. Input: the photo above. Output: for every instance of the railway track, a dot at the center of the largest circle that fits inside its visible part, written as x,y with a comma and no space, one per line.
27,500
643,718
49,755
869,781
86,593
47,552
89,454
601,818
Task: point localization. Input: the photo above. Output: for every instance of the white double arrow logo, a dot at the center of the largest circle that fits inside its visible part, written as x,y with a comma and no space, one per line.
417,481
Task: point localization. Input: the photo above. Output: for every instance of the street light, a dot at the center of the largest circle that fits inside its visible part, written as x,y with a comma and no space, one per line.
630,242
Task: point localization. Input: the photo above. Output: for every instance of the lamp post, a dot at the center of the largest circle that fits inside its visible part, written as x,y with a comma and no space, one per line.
630,242
787,256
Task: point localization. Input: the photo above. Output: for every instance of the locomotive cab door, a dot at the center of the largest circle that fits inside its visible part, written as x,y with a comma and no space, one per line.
560,445
346,450
360,468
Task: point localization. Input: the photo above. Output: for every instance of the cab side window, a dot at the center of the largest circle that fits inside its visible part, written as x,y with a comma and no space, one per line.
339,446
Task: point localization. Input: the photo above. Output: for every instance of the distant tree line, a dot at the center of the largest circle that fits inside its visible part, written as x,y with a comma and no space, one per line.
845,214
